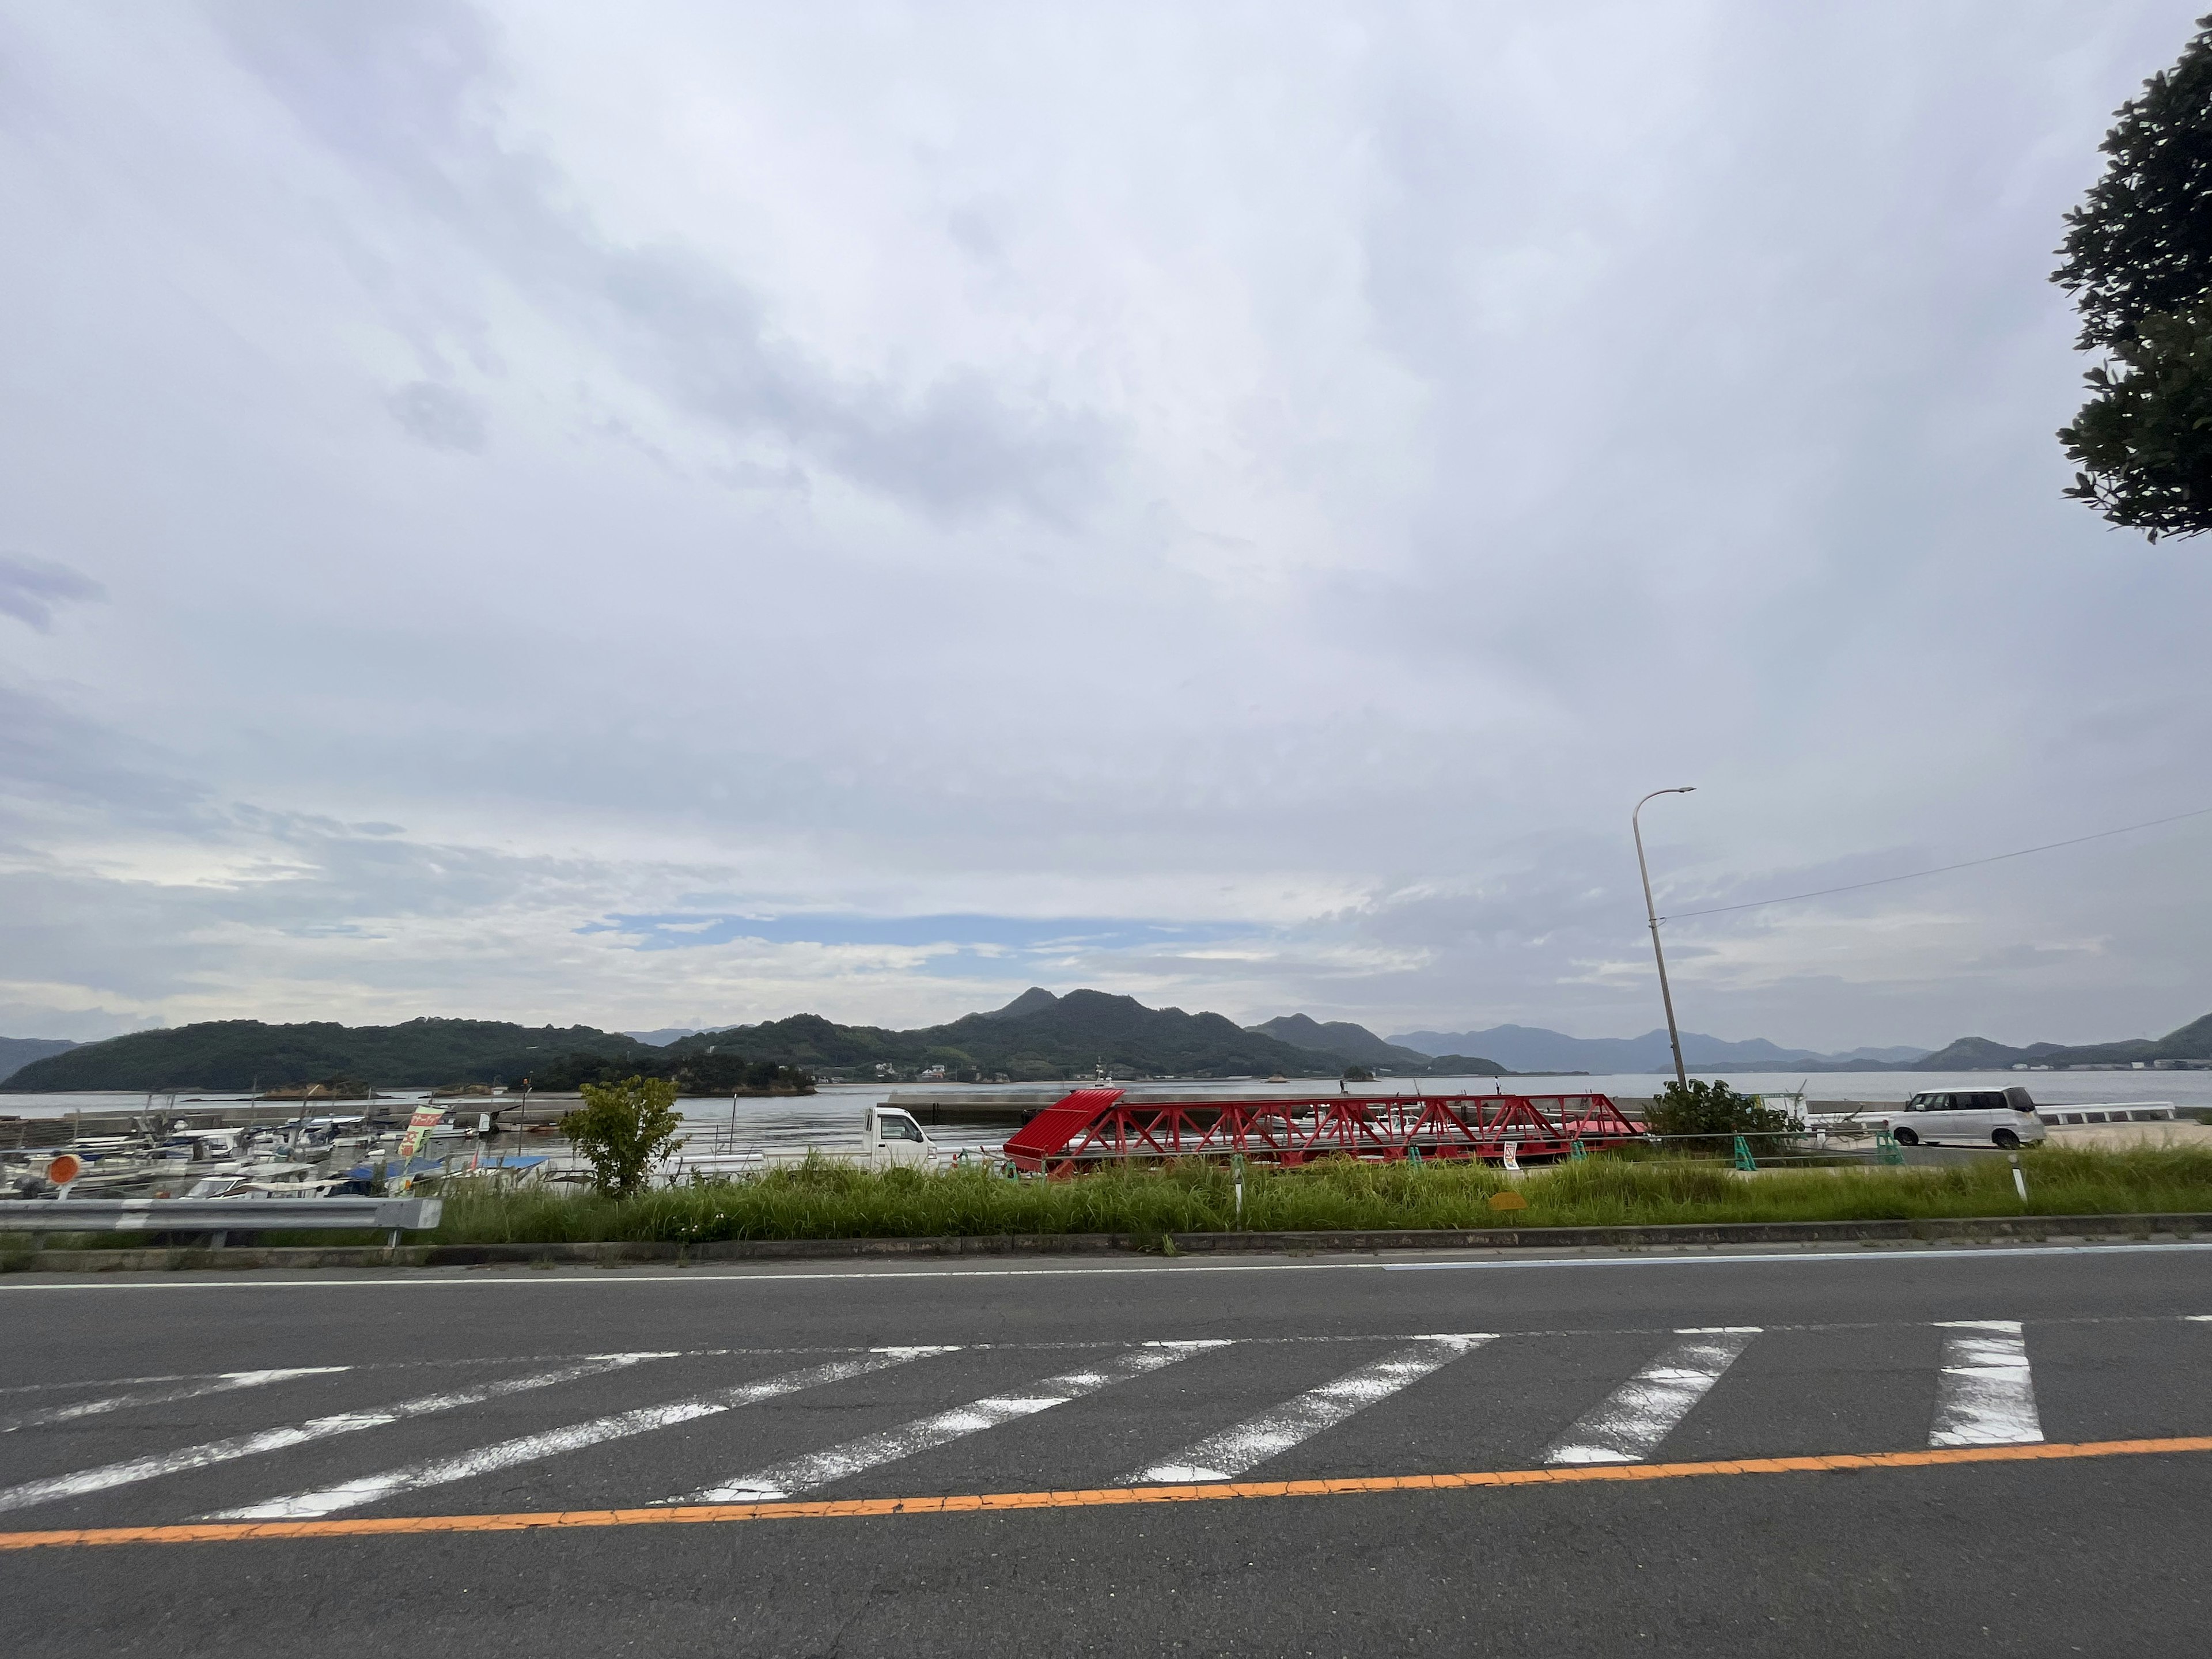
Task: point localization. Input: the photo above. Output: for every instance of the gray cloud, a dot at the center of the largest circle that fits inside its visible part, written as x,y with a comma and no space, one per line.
54,756
439,416
1266,505
410,93
31,588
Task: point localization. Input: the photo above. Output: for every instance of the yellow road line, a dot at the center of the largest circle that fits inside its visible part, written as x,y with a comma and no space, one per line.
988,1503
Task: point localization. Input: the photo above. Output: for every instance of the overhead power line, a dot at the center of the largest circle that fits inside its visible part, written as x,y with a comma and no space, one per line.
1941,869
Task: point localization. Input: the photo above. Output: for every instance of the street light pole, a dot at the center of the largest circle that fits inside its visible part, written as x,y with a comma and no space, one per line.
1666,996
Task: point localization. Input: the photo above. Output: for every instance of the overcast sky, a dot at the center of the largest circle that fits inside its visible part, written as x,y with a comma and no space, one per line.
667,515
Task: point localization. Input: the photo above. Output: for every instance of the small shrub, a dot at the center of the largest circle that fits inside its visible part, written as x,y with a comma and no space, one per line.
622,1130
1712,1108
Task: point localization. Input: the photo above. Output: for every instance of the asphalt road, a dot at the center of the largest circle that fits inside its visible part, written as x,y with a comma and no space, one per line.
318,1402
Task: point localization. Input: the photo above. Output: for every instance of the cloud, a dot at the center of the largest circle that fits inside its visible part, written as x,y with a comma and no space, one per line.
412,94
439,416
1229,509
31,588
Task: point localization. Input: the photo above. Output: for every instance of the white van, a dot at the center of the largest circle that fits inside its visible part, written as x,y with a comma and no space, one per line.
1968,1117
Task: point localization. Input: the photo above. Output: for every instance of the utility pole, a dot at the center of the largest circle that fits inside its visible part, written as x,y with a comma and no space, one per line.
1673,1038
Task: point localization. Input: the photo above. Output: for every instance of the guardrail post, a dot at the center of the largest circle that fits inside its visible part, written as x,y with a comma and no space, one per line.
1576,1151
1886,1147
1744,1160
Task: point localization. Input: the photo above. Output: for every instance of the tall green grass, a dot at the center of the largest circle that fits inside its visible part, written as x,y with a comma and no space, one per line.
825,1201
820,1199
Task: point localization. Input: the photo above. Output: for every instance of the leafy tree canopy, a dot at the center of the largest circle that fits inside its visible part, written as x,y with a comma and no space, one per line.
2138,262
623,1129
1712,1108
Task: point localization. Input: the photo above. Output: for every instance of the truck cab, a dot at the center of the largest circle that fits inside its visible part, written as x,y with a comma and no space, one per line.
895,1140
1968,1117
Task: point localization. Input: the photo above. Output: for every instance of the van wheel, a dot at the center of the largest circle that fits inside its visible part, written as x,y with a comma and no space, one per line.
1905,1137
2006,1139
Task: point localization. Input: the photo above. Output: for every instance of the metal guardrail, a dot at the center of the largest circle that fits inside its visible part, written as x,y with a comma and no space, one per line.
2110,1111
219,1216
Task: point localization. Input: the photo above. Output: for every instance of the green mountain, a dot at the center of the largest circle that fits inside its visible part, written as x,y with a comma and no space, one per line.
1341,1037
16,1053
1980,1054
2190,1041
1038,1037
231,1055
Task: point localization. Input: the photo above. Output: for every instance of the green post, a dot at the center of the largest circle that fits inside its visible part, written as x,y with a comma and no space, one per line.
1576,1151
1744,1160
1413,1155
1886,1147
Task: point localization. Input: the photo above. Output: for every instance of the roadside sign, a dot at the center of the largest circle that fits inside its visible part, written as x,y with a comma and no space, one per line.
426,1118
64,1168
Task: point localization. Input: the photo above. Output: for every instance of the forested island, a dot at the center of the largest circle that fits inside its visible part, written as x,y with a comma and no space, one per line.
1038,1037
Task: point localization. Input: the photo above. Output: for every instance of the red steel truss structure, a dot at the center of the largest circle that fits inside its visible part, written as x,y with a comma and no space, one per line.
1092,1126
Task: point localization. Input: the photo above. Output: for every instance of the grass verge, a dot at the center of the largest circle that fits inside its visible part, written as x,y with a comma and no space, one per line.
823,1201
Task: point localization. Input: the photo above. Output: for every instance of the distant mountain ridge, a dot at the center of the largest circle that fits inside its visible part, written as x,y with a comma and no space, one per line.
236,1054
1339,1036
1533,1048
2192,1042
16,1053
1038,1036
663,1037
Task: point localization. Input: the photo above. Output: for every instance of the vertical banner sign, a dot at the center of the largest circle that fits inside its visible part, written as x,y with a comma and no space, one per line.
418,1129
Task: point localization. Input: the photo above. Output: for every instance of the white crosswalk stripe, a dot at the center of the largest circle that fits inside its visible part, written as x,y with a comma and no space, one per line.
82,1481
1985,1394
531,1448
1225,1456
819,1469
228,1383
1644,1410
